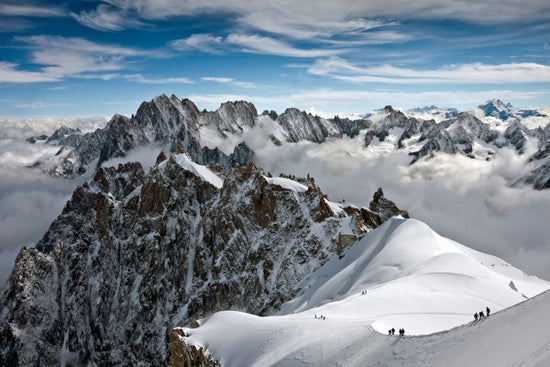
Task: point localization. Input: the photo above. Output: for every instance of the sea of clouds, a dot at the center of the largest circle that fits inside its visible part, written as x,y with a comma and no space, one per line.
29,199
467,200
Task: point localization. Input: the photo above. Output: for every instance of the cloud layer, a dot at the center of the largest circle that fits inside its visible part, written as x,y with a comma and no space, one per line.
306,19
29,199
463,199
477,73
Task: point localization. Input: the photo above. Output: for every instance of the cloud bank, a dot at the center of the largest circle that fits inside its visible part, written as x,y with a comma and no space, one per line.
463,199
29,199
326,17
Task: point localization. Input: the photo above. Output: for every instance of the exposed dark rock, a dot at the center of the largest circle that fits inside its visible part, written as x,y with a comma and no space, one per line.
134,254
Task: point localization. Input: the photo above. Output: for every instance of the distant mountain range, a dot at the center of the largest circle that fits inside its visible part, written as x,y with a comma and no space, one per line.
169,121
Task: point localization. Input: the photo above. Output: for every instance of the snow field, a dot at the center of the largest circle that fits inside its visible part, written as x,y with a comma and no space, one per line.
401,275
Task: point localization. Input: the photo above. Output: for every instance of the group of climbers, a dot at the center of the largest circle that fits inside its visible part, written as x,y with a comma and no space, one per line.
392,332
481,315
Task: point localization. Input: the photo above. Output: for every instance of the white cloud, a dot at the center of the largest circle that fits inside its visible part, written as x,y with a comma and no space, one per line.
30,11
247,43
230,81
477,73
203,42
21,128
107,18
29,199
9,73
306,19
138,78
299,22
271,46
464,199
61,57
146,156
39,104
362,101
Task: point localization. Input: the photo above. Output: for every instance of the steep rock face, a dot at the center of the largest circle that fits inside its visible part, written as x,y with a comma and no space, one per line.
454,136
350,128
299,125
466,135
539,177
232,117
515,135
504,111
65,136
134,254
208,137
169,121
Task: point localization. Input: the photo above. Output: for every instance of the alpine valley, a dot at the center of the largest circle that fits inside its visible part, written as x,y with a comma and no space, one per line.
208,259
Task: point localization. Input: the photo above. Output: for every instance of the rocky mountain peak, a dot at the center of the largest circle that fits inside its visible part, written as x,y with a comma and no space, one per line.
168,121
496,108
135,253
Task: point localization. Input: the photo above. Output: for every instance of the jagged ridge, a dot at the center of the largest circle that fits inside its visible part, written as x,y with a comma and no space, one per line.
169,122
134,254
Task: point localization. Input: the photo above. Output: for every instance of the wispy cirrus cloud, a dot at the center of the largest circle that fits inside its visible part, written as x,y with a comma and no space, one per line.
39,105
136,78
271,46
230,81
475,73
139,78
248,43
107,18
10,73
202,42
325,17
298,22
56,58
19,10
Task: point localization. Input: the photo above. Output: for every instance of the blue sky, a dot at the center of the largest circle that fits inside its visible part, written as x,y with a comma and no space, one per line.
82,58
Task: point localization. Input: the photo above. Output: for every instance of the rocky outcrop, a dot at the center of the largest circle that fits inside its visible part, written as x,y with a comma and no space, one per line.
134,254
183,354
299,125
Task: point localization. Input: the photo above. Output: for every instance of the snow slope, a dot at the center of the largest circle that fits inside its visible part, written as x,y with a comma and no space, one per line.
185,162
286,183
413,278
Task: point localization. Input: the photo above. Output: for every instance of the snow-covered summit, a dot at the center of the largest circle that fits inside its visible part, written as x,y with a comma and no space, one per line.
205,173
505,111
226,136
402,275
425,281
136,253
286,183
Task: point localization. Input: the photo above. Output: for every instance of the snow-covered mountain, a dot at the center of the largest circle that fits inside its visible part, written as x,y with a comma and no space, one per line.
134,254
224,136
402,275
501,111
209,137
468,136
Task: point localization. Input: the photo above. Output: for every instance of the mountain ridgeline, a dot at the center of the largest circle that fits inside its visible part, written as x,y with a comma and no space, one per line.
168,122
134,254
